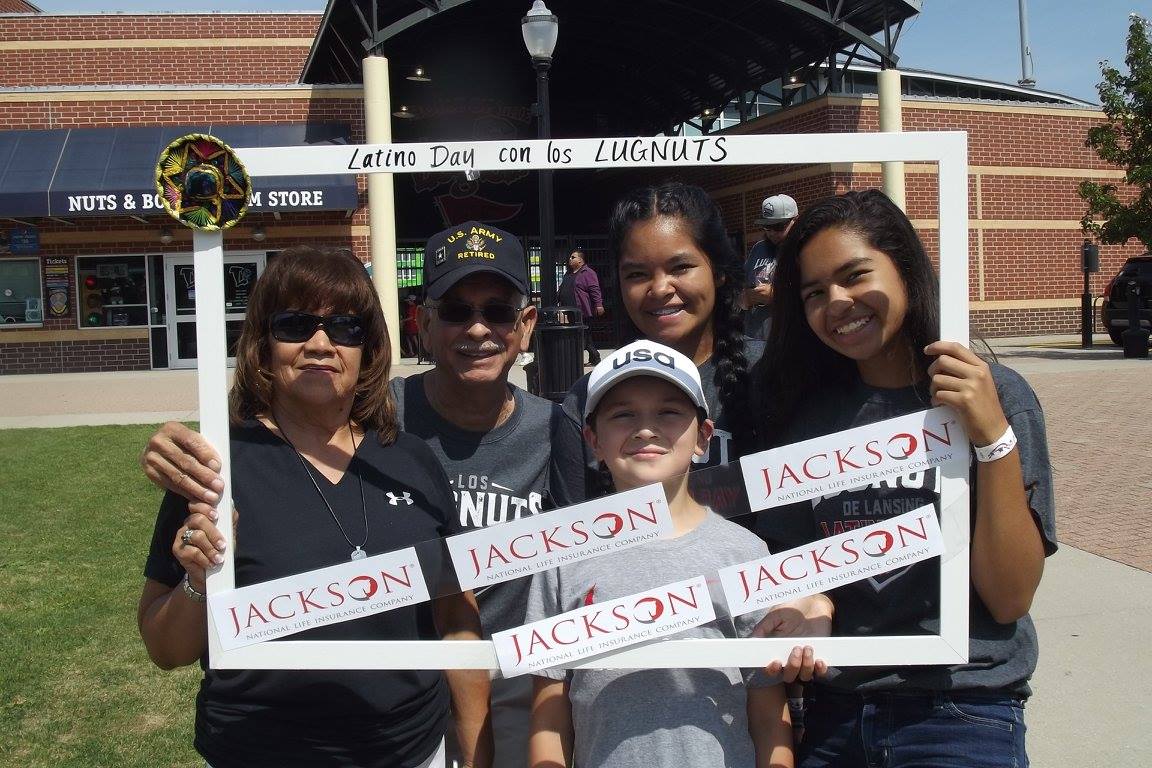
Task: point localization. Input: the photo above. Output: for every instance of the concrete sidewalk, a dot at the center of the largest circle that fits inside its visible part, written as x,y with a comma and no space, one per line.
1094,608
1093,617
119,397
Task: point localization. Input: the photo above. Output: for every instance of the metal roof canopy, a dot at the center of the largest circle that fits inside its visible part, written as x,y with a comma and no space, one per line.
621,68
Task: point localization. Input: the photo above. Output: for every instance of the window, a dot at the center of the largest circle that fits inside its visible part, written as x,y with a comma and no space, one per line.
21,298
919,87
112,291
409,267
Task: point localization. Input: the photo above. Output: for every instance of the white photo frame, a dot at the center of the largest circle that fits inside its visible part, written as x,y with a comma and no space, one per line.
948,150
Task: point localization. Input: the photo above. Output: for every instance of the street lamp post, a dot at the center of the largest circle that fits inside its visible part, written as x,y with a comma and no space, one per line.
540,27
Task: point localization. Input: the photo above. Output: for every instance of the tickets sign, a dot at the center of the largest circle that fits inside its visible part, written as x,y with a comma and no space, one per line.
601,627
540,542
833,562
854,457
317,598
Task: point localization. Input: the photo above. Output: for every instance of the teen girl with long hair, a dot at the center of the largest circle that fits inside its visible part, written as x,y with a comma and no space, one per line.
680,283
855,339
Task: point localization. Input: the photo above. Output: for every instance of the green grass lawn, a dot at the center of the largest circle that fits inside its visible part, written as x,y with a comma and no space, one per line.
76,686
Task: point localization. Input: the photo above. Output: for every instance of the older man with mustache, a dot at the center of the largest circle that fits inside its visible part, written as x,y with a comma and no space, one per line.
506,452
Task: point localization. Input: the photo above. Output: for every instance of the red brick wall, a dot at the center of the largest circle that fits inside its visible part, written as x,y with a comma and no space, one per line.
1027,322
1012,137
161,26
189,64
64,113
151,66
74,356
1022,260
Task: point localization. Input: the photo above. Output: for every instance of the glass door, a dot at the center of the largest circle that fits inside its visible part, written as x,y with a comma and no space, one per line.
240,273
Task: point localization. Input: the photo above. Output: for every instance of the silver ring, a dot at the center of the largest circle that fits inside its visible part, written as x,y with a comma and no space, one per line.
186,537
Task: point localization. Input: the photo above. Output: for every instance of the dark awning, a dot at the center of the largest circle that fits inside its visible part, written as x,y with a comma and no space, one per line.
622,68
111,171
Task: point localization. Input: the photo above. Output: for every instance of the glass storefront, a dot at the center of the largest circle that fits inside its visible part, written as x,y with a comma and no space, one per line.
112,291
21,297
153,292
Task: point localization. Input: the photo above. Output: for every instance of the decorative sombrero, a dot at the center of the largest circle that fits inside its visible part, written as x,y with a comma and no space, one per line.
202,184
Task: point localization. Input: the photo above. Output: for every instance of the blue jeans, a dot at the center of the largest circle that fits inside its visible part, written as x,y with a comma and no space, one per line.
912,730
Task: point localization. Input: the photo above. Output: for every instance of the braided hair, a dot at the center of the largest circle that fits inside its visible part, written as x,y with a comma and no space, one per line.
701,219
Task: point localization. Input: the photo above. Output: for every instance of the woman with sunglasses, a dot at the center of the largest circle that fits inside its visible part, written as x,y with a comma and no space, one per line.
500,445
855,340
318,468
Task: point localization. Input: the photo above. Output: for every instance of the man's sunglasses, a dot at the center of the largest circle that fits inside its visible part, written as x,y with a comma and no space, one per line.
458,313
294,327
777,227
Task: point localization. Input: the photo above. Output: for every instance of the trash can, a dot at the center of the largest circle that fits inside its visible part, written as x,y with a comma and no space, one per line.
559,350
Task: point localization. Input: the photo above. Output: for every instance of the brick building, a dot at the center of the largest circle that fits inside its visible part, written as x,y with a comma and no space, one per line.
94,276
1025,162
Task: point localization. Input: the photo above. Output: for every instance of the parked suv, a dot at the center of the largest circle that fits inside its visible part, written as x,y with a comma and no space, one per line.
1114,311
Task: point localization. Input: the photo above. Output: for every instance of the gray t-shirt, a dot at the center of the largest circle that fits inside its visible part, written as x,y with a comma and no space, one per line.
1002,657
514,471
624,718
720,448
759,268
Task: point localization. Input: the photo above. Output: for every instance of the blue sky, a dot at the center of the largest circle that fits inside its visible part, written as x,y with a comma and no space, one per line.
979,38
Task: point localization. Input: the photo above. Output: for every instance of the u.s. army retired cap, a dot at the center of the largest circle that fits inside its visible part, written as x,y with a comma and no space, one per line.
468,249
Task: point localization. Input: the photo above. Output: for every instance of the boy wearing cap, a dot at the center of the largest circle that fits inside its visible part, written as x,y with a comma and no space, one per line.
646,417
777,213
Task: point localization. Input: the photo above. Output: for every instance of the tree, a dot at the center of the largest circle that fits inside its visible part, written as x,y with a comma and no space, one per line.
1124,140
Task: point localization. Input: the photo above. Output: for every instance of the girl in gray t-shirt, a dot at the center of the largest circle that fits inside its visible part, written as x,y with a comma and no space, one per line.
856,339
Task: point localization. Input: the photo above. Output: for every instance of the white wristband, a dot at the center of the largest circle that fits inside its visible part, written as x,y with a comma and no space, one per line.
998,449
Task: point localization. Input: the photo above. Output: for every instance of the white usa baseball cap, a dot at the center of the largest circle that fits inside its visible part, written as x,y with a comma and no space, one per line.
644,358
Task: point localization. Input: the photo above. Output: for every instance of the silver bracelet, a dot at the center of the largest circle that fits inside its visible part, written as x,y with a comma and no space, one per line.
998,449
192,593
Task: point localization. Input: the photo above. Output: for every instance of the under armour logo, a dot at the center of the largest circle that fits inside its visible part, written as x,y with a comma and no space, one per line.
394,500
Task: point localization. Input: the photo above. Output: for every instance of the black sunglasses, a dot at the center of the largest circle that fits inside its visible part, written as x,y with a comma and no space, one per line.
457,312
777,227
294,327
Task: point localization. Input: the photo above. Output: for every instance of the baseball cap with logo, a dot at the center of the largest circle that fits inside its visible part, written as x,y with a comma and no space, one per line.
644,358
471,248
776,209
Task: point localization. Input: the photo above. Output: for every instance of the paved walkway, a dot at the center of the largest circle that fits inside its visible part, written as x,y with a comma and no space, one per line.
1094,608
1100,438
